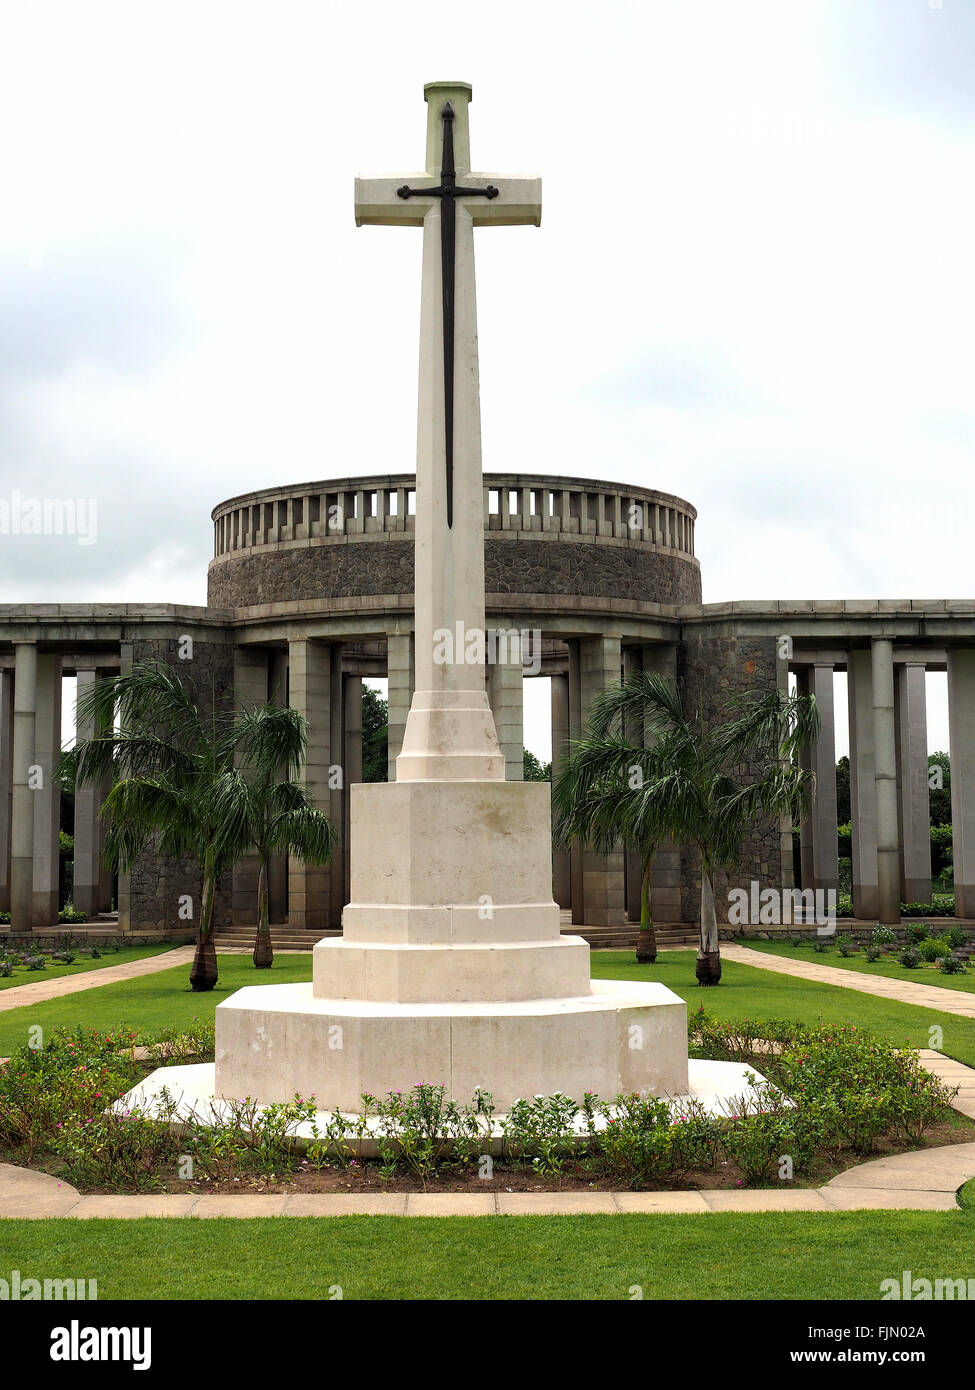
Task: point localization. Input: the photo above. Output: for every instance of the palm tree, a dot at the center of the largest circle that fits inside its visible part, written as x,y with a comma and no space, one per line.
178,780
276,811
703,785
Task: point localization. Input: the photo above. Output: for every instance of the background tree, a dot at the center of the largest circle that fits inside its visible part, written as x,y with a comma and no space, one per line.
705,786
534,769
375,735
177,787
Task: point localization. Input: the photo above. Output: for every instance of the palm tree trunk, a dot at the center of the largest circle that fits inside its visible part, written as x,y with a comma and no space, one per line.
263,951
646,944
709,954
203,973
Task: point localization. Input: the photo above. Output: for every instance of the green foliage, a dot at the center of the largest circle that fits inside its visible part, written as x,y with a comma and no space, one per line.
915,933
951,965
71,916
375,735
934,948
909,958
942,905
939,798
534,770
883,936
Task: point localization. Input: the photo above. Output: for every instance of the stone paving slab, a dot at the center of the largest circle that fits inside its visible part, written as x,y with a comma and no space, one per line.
138,1205
887,1199
946,1001
24,1192
556,1203
451,1204
672,1203
943,1169
753,1199
39,991
345,1204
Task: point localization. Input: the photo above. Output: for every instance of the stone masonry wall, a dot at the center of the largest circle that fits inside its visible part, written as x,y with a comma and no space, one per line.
711,670
156,884
512,566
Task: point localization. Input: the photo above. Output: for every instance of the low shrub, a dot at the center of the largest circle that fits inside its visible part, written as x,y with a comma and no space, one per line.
909,958
35,963
951,965
872,953
957,936
882,936
915,933
847,945
71,915
942,905
934,948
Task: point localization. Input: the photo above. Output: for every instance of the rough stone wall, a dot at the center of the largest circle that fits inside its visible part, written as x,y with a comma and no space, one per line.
711,670
156,884
512,566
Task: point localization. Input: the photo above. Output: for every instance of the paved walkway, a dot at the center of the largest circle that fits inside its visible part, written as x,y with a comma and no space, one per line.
39,991
926,1180
946,1001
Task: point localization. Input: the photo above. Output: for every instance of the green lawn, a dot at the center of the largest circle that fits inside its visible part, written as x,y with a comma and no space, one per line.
54,971
149,1002
750,992
888,966
155,1002
802,1255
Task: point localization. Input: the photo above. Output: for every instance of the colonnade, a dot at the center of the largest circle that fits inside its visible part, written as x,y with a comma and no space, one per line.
890,822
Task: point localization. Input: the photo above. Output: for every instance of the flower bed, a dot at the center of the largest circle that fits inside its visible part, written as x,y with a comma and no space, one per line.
834,1095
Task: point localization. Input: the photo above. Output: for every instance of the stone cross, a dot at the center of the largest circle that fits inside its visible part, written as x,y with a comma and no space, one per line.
450,733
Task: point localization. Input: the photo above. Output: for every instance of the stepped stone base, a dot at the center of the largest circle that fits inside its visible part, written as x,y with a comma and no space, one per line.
276,1040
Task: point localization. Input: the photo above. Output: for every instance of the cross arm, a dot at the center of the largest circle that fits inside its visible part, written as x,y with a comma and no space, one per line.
377,202
519,201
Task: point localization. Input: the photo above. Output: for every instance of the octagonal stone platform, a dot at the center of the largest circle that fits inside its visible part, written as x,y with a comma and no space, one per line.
274,1041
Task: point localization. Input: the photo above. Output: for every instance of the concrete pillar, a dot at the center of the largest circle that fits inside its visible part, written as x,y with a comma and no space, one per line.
310,693
823,810
665,871
913,810
505,696
632,858
600,664
806,819
250,692
961,745
47,794
885,778
863,786
22,799
92,880
561,874
277,872
399,676
6,781
125,878
351,763
337,790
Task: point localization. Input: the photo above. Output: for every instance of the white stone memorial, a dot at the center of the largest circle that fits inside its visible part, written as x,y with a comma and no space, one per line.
452,969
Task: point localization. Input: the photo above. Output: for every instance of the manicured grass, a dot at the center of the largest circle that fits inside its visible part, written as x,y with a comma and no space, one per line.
800,1256
53,971
750,992
149,1002
888,966
165,1000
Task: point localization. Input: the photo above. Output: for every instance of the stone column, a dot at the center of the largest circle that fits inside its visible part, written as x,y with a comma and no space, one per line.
665,874
399,677
961,742
6,782
600,663
351,762
913,811
561,875
277,871
575,729
885,777
22,800
505,696
90,874
250,692
823,809
47,796
337,896
632,859
863,786
310,694
806,819
125,877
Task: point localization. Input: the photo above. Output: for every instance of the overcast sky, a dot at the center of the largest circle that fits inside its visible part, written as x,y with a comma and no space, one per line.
752,285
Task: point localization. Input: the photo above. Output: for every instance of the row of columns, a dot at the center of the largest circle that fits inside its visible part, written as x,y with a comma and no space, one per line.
30,798
891,847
